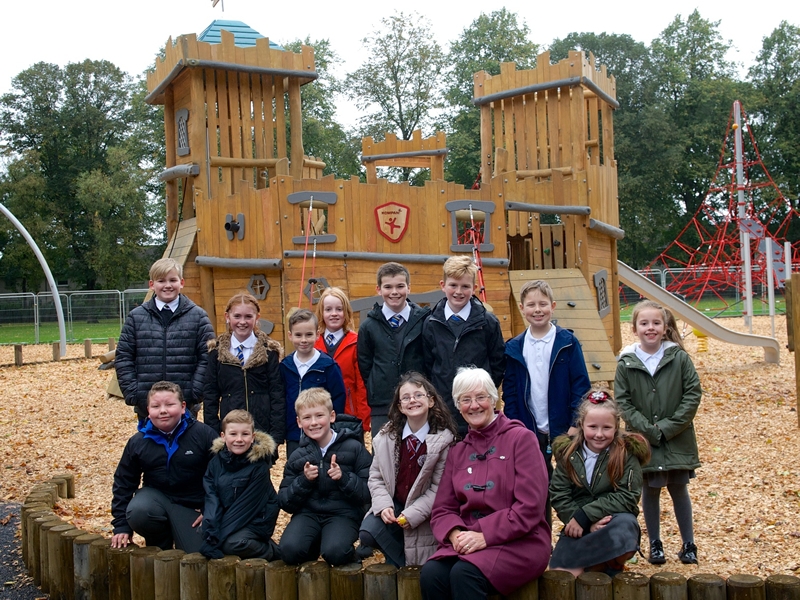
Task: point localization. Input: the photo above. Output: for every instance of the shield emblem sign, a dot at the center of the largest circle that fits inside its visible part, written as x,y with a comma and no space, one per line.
392,220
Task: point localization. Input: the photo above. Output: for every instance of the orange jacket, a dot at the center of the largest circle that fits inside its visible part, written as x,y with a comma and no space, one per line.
347,358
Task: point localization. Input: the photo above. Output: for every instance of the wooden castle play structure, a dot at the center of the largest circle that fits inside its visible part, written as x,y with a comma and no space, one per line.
248,210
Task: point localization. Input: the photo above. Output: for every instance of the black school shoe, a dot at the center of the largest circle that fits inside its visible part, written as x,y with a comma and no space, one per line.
657,553
688,554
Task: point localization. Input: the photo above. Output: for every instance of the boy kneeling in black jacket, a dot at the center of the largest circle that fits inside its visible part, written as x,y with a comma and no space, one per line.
241,505
324,483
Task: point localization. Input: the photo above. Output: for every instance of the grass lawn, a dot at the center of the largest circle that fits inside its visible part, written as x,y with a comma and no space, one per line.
713,307
48,332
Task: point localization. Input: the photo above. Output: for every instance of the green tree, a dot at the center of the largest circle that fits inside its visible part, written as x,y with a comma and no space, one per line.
488,41
59,126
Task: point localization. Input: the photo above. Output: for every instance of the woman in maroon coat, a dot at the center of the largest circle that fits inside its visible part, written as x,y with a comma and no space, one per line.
489,513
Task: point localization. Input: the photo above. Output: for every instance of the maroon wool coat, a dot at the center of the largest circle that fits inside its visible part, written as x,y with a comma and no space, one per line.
510,512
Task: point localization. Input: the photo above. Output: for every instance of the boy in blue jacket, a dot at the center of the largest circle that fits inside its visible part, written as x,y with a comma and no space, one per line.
546,373
307,368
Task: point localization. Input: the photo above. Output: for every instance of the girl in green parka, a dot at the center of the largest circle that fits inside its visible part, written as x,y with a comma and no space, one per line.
595,489
659,392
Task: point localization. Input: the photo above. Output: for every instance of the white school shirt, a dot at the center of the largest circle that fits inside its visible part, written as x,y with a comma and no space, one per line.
329,444
173,306
537,353
337,336
388,313
463,313
248,344
589,461
303,367
420,433
650,361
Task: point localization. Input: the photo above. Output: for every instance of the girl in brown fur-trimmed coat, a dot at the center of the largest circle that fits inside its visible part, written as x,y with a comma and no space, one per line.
244,371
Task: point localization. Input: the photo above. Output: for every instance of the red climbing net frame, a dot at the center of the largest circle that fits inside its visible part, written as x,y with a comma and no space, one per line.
706,258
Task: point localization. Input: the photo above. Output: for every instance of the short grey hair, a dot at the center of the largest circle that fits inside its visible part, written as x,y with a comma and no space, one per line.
473,378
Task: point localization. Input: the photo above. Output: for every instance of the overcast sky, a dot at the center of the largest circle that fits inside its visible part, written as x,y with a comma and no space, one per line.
129,33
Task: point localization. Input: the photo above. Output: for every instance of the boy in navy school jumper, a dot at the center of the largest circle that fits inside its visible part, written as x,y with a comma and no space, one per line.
546,373
306,368
460,332
390,341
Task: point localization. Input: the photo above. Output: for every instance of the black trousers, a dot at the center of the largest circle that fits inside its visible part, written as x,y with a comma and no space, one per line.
162,522
307,536
454,579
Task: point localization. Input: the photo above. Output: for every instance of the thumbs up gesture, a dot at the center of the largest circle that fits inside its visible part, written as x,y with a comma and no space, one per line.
335,472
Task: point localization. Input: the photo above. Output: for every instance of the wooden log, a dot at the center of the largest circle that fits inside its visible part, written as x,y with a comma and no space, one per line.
98,569
313,580
18,355
47,487
62,486
529,591
631,586
112,344
143,585
44,570
37,508
250,579
782,587
119,572
68,562
70,479
668,586
347,582
380,582
281,581
87,348
80,561
56,351
55,560
222,578
557,585
34,545
167,574
593,586
746,587
705,586
194,577
408,583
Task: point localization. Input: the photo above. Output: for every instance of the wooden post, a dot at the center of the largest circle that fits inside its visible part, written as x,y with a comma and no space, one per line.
62,486
668,586
55,561
142,577
380,582
70,480
167,574
783,587
250,579
746,587
18,355
98,569
194,577
557,585
119,572
38,508
795,308
80,560
44,570
281,581
112,344
593,586
313,581
347,582
408,583
222,578
34,552
68,562
56,351
705,586
47,487
631,586
87,348
529,591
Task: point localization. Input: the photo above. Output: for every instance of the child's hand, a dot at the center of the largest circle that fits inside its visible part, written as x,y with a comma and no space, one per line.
387,516
198,520
600,524
120,540
335,472
310,471
403,522
572,529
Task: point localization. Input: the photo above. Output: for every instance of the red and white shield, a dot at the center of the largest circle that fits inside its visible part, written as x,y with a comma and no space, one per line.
392,220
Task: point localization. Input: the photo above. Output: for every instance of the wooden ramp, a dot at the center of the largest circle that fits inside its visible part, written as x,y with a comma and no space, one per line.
576,309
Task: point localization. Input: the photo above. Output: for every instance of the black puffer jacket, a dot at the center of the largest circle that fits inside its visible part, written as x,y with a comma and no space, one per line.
149,352
239,493
385,354
257,387
347,497
173,465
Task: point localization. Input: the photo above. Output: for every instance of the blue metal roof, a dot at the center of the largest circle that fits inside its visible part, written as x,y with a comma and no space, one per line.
244,35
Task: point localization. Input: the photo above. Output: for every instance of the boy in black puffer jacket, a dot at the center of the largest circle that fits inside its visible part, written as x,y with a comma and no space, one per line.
324,483
241,505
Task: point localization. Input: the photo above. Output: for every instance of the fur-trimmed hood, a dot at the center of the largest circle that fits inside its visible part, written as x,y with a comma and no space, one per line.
258,356
635,444
262,449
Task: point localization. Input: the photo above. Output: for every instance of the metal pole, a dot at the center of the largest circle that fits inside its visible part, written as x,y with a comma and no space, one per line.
770,285
742,214
51,282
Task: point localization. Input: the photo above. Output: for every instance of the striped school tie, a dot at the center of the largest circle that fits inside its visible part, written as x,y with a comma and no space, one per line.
396,321
330,339
456,319
240,354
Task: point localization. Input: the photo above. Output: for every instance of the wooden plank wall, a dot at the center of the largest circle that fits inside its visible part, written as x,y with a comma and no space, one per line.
391,145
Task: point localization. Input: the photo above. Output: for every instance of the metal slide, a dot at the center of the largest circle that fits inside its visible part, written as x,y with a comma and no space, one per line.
695,318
